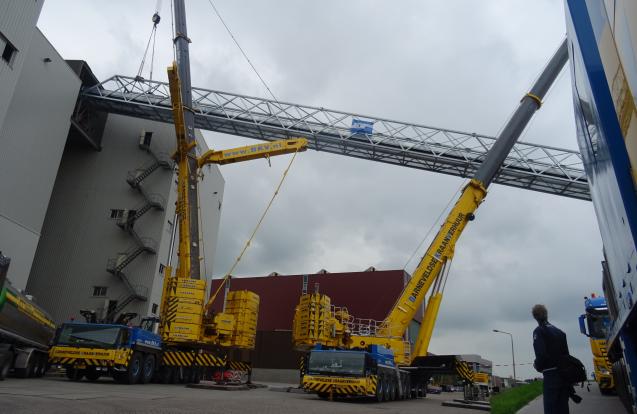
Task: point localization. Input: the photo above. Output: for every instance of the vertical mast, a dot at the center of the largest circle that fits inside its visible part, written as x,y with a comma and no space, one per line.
183,66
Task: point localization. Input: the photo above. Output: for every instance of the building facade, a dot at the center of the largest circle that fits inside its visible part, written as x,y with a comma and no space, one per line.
38,91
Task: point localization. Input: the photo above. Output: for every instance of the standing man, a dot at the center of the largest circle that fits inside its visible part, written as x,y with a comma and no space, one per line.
550,346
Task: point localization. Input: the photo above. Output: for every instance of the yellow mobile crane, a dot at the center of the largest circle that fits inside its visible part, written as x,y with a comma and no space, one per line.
187,340
189,331
353,357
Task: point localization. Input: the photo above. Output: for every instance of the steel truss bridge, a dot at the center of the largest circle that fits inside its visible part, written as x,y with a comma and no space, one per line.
529,166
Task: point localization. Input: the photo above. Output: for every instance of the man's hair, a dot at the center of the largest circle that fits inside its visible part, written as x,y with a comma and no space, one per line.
540,313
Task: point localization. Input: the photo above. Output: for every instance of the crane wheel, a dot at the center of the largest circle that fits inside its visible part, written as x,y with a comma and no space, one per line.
5,365
148,369
380,389
74,374
386,390
92,374
165,374
134,369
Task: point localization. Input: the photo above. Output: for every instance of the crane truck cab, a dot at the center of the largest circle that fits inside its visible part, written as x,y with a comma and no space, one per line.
128,354
369,372
594,323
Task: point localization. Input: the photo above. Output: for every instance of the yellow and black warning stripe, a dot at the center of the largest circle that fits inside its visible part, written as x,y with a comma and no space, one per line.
239,366
463,371
85,361
210,360
172,307
336,389
373,379
176,358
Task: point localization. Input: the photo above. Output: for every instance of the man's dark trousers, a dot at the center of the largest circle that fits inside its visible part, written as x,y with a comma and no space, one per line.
555,393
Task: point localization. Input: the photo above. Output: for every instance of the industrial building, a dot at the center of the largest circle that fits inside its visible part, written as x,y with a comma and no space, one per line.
368,295
87,197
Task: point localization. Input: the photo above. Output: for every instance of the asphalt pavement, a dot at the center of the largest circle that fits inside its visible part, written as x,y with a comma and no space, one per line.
59,395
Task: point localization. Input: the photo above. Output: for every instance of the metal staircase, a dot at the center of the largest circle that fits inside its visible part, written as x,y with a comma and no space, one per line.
126,221
137,292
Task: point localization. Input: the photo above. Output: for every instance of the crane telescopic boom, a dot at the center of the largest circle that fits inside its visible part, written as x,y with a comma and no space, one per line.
441,249
333,335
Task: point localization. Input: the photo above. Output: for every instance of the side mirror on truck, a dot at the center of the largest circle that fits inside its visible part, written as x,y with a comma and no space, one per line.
582,325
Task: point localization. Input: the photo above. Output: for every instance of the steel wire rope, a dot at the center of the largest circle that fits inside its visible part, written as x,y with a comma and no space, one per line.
153,36
143,62
254,232
236,42
172,28
444,210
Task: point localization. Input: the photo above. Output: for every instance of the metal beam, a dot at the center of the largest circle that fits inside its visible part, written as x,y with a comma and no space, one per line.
534,167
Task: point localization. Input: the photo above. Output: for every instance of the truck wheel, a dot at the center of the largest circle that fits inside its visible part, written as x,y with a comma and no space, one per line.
176,376
5,365
148,370
119,377
92,374
196,376
622,384
386,391
134,369
419,392
74,374
187,378
27,371
165,375
42,365
380,390
391,390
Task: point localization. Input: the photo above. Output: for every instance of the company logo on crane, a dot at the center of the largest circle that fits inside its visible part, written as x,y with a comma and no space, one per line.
437,256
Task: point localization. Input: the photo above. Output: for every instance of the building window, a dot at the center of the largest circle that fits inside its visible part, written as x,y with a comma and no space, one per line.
8,51
99,291
161,268
145,138
116,213
155,306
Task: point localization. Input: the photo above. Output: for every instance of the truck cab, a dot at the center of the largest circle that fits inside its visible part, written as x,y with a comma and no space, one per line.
128,354
595,323
365,373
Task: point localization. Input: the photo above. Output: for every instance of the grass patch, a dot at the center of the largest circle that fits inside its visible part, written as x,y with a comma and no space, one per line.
511,400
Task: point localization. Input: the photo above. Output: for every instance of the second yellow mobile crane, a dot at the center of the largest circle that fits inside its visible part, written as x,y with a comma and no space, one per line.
352,357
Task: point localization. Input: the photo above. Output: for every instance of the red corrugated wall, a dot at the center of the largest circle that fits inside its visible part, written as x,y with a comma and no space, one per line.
364,294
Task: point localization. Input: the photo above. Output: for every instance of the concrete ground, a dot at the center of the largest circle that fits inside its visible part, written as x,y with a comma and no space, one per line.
59,395
593,402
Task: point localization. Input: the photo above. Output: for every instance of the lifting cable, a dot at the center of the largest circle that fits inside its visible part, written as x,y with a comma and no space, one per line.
451,200
153,35
245,55
256,228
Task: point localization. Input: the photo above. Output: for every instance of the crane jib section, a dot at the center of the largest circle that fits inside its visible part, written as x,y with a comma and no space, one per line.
440,250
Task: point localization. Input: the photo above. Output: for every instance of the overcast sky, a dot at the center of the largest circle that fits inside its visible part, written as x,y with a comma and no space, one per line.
457,64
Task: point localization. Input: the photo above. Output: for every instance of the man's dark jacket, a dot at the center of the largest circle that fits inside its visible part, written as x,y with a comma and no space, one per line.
550,344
